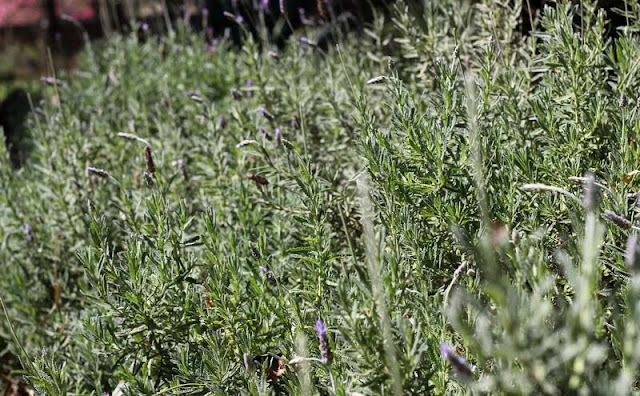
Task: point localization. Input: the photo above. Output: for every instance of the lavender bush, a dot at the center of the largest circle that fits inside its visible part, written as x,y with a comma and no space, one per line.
441,206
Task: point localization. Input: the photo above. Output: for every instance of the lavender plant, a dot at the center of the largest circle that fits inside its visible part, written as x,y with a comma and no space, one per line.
457,219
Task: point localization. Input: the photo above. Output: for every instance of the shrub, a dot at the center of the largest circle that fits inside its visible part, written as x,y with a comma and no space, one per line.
210,221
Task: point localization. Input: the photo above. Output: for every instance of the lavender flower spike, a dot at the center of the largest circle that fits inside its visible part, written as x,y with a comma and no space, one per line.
268,275
254,251
325,350
459,364
265,113
234,18
278,136
235,94
618,220
29,231
264,132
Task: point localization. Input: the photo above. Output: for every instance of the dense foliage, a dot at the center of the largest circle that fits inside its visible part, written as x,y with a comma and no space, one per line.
457,217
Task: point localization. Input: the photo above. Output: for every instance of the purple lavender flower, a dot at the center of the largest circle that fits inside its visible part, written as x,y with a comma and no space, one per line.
263,6
235,18
105,394
268,275
235,94
182,167
145,27
283,7
29,231
249,85
618,220
278,136
254,251
264,132
205,12
303,17
459,364
265,113
222,122
325,349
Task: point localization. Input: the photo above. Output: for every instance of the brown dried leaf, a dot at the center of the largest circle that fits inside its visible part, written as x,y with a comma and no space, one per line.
626,179
259,180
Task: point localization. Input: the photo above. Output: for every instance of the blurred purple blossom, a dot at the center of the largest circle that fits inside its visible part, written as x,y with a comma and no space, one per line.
222,122
235,94
264,132
278,136
235,18
265,113
459,364
303,17
268,275
29,231
325,350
